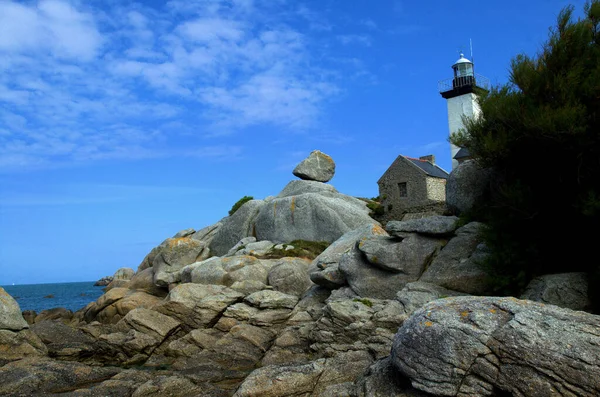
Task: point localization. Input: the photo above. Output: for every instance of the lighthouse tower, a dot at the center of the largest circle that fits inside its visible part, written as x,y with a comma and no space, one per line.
461,95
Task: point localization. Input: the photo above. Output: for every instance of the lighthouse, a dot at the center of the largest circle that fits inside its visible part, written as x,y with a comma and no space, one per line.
460,93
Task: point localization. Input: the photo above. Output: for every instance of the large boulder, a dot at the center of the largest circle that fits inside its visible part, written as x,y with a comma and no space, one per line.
198,305
324,269
18,345
409,255
10,313
569,290
458,265
312,216
116,303
226,271
144,281
437,225
174,255
203,238
235,227
290,276
149,322
476,346
467,186
379,266
316,167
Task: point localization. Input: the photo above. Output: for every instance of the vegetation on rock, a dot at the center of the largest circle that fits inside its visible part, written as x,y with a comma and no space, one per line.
302,249
239,203
540,133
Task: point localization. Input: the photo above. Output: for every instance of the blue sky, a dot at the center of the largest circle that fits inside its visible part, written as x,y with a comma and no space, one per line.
122,123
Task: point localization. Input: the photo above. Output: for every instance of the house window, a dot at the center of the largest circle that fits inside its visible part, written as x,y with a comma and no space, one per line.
402,191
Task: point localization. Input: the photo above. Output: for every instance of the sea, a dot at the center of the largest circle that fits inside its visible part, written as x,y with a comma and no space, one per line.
38,297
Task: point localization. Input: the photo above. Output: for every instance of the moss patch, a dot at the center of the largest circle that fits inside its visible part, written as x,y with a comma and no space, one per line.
302,249
364,301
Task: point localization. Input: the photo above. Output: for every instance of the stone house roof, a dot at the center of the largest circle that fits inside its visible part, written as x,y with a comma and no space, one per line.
429,168
425,166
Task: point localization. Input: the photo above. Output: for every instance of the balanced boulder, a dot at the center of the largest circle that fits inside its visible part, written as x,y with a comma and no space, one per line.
316,167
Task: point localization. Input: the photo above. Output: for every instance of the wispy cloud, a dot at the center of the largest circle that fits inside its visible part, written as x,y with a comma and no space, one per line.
79,83
348,39
368,23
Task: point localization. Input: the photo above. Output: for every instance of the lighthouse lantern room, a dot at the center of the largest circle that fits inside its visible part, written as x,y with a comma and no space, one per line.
461,95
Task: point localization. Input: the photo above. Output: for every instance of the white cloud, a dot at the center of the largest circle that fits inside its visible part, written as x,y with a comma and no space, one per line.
53,26
82,84
207,30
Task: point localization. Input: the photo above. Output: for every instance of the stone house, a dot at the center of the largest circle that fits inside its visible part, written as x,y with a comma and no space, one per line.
412,185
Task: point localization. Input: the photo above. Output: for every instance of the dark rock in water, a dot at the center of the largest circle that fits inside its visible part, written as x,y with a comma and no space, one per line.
103,282
49,296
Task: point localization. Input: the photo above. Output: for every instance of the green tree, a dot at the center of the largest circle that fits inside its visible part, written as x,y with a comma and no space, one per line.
540,133
239,203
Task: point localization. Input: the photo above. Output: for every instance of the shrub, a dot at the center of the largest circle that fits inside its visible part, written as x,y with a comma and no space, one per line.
376,209
239,203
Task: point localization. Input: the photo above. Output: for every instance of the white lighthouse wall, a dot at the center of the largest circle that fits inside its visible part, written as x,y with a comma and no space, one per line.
457,107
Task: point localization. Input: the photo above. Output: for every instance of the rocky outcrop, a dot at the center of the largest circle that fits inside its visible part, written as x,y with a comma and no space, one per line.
458,265
358,324
316,167
474,346
467,187
174,255
324,269
309,215
322,377
437,225
569,290
197,305
191,323
236,227
175,249
380,266
31,376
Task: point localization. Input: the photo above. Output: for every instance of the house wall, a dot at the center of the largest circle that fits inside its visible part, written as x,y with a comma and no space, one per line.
436,189
401,171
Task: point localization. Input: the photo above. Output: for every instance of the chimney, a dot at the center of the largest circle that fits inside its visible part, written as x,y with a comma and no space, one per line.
429,157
